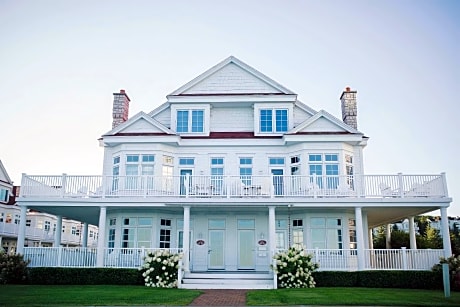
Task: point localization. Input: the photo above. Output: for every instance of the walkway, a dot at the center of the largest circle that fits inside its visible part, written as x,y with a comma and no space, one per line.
221,298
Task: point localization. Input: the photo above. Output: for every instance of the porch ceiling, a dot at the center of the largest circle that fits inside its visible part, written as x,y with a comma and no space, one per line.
377,214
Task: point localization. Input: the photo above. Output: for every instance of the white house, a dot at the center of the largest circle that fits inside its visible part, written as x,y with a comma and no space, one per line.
231,168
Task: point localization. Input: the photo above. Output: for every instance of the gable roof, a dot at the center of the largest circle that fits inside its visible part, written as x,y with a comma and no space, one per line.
231,77
323,122
141,122
4,175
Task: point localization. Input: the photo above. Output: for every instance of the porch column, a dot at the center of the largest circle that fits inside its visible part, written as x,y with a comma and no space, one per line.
101,238
388,236
445,233
84,234
412,238
21,231
359,237
371,238
58,233
271,230
186,243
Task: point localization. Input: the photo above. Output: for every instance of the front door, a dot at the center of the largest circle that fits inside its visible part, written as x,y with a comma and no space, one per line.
183,175
216,250
246,249
278,183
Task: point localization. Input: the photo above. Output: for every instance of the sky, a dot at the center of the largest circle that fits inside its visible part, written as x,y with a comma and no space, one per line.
61,61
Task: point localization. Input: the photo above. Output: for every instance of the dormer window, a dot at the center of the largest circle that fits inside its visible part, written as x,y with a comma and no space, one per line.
273,120
190,119
269,119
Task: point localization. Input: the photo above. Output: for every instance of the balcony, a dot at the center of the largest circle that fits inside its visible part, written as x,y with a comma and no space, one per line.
236,187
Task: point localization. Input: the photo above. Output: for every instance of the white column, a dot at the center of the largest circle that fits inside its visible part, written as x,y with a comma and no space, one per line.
101,238
58,233
21,231
359,237
371,239
412,238
84,235
445,233
271,230
388,236
186,242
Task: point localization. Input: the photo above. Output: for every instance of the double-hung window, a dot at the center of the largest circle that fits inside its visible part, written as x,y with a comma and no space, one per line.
273,120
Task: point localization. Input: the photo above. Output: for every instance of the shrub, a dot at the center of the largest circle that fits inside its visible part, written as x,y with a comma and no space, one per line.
454,270
13,268
84,276
160,269
294,268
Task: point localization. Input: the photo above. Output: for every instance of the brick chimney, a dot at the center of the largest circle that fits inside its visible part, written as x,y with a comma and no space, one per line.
349,108
120,108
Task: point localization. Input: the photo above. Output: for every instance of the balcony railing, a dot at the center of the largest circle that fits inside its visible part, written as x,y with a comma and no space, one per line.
328,259
371,186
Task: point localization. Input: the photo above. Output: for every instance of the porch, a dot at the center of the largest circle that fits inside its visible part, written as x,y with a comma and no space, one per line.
237,187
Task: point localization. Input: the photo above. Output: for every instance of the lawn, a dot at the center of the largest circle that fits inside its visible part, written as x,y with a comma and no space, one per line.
34,295
352,297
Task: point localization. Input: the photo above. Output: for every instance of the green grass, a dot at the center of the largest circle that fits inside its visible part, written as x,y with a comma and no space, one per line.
33,295
98,295
352,297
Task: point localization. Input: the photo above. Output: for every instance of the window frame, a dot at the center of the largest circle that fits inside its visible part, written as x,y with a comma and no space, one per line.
191,121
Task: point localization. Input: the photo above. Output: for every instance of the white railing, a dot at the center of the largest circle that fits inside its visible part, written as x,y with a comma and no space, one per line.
372,186
328,259
376,259
86,257
60,256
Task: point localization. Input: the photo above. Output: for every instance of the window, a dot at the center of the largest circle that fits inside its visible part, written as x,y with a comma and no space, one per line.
28,223
47,226
297,232
349,170
137,164
326,168
246,170
2,216
352,233
277,118
165,233
186,161
281,230
4,195
16,219
326,233
74,230
276,161
190,121
217,174
111,240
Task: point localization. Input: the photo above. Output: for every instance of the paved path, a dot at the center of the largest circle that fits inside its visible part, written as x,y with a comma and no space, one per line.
221,298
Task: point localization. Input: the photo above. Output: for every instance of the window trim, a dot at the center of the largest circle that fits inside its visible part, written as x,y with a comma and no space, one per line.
206,108
258,107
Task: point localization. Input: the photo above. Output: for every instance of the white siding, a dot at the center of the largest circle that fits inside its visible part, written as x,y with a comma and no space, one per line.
232,119
300,116
231,79
164,117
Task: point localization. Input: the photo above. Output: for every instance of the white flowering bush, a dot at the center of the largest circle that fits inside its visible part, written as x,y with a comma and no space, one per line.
160,269
294,268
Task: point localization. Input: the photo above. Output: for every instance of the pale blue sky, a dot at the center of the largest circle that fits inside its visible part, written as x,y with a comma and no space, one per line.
60,62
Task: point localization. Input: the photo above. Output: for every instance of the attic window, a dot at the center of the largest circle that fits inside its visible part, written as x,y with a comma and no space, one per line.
190,119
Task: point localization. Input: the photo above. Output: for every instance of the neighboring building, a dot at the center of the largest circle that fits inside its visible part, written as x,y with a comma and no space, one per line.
40,227
231,168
